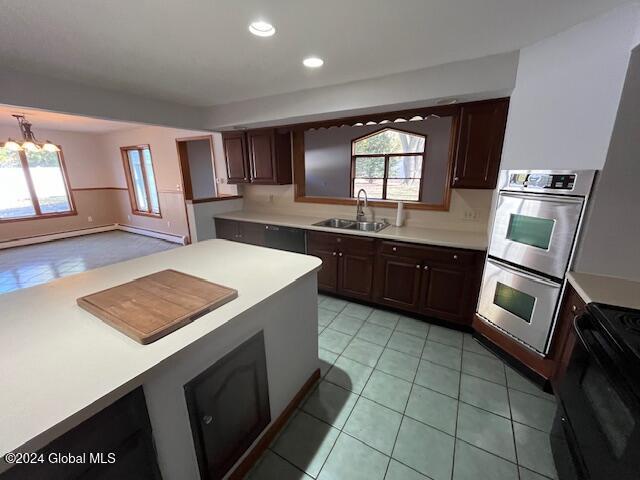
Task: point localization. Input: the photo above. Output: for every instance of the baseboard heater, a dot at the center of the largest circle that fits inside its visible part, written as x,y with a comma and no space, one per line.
19,242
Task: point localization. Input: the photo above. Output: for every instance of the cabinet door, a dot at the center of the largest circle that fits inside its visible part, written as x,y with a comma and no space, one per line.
564,338
235,151
479,148
397,282
328,274
251,233
227,229
229,407
445,293
355,274
262,156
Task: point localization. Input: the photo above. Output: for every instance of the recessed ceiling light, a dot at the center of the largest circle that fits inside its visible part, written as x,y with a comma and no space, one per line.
262,29
313,62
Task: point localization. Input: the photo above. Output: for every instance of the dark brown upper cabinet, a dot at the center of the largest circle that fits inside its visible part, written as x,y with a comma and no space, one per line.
479,145
235,152
258,156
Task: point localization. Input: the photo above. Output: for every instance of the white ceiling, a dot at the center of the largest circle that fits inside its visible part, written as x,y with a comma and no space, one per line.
199,52
42,119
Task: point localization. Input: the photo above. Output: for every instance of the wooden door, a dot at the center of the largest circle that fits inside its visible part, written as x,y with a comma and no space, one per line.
328,274
235,151
445,293
355,274
479,148
564,339
262,156
397,282
229,407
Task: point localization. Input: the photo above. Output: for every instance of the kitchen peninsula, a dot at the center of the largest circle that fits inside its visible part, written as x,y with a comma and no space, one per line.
61,365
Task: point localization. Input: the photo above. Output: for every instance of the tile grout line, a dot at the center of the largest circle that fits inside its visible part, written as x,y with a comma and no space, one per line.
341,429
513,430
437,391
460,372
455,431
404,411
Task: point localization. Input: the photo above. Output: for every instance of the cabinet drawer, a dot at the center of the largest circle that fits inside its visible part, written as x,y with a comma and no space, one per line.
445,255
345,243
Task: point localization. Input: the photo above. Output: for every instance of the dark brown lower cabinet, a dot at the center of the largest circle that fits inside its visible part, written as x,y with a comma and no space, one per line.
229,407
122,429
434,281
245,232
564,340
328,274
347,263
398,282
438,282
445,293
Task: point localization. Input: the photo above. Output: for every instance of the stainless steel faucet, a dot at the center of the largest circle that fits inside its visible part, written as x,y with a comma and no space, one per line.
360,216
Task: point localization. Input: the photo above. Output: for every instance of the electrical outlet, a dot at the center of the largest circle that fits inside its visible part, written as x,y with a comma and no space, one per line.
470,215
90,218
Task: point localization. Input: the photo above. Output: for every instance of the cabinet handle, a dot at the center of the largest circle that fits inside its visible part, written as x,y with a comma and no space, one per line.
455,257
455,179
426,267
417,266
338,240
340,254
334,254
207,419
394,249
574,309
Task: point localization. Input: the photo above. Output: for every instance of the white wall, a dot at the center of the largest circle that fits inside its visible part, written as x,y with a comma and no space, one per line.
201,223
567,92
476,79
31,90
611,236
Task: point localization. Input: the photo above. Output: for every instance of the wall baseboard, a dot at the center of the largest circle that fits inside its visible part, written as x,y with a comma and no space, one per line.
20,242
55,236
169,237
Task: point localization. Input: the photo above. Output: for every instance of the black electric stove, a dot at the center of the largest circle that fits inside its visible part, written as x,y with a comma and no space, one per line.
596,433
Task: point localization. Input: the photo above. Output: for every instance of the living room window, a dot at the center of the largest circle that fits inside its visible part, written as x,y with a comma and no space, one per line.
388,165
33,184
141,180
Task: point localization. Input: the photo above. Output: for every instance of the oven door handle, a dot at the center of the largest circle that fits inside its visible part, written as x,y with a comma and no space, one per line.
520,273
542,197
596,349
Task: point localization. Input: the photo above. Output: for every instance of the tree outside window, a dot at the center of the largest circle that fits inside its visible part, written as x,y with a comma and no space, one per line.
388,165
33,185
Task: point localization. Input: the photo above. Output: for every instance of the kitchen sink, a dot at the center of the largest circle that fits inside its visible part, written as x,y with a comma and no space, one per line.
352,225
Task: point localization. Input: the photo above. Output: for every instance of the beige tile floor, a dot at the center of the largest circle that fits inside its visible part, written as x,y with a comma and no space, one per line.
402,399
23,267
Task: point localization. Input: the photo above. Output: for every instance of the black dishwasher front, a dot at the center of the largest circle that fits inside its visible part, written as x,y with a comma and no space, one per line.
285,238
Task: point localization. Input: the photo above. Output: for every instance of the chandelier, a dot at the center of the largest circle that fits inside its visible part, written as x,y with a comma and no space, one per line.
29,142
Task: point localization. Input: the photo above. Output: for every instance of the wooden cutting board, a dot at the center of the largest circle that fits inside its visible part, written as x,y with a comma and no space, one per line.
151,307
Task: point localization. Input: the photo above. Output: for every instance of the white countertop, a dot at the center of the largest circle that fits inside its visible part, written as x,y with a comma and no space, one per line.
59,364
427,236
610,290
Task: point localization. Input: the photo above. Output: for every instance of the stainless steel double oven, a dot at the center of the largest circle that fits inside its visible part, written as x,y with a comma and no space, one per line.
537,220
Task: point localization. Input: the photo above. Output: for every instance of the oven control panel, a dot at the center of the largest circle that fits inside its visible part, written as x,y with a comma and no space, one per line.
543,181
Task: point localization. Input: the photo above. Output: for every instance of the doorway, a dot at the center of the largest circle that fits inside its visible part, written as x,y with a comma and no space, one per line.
197,167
